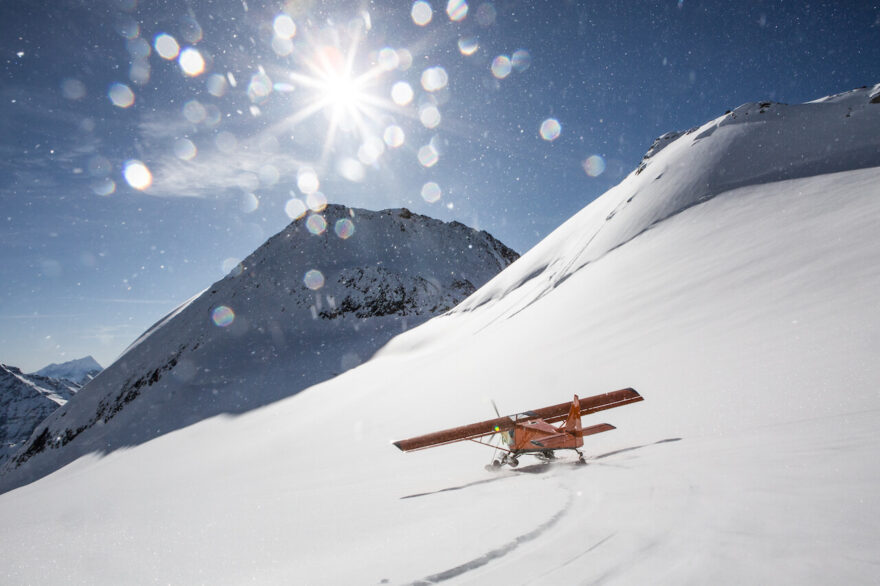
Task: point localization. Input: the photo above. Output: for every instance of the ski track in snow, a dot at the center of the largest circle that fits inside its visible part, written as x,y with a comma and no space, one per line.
454,488
593,547
538,531
498,552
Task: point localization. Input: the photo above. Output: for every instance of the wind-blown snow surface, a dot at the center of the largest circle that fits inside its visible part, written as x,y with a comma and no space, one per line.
748,321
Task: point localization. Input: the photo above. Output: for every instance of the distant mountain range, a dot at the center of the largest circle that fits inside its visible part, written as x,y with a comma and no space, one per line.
79,371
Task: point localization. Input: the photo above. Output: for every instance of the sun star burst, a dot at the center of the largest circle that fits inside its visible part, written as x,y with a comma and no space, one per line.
346,96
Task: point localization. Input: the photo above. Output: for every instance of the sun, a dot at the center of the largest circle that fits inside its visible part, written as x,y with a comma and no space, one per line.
343,92
334,87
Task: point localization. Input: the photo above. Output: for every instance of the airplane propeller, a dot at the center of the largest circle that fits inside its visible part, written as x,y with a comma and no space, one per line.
491,437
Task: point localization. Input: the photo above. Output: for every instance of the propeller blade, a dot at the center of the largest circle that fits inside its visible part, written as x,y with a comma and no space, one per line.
495,451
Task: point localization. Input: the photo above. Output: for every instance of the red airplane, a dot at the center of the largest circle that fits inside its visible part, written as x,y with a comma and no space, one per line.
531,432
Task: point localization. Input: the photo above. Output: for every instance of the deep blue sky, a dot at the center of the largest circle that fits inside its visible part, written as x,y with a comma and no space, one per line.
85,270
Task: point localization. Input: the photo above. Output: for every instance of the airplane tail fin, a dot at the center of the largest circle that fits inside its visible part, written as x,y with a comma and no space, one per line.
573,422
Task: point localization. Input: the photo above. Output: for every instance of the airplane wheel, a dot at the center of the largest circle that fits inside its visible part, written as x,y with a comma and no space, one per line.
513,462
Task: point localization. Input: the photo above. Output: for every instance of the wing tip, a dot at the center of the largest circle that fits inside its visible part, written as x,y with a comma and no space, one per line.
634,395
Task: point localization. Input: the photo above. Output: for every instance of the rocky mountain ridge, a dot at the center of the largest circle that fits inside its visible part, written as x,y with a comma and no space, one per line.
25,401
316,299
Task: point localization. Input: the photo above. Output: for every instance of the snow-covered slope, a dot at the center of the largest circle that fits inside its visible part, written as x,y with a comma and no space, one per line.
315,300
746,314
25,401
80,371
754,144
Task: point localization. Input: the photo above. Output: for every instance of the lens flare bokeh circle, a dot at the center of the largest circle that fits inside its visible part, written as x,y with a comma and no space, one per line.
316,224
394,136
421,13
307,180
428,155
456,10
594,165
431,192
223,316
191,62
520,60
468,46
501,66
550,129
314,279
121,95
137,174
295,208
401,93
166,46
344,228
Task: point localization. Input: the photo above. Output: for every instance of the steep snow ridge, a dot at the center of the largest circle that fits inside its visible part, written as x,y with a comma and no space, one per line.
873,95
149,332
80,371
226,350
757,143
25,401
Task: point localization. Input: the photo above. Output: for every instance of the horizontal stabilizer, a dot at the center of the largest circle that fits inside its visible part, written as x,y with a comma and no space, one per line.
549,414
596,429
582,433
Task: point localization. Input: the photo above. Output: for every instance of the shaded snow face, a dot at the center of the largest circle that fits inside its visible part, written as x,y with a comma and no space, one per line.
315,300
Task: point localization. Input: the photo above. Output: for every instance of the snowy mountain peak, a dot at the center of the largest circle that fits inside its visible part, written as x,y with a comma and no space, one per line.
316,299
80,371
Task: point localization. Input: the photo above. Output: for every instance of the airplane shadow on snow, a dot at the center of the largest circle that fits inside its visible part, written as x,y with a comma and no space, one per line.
539,468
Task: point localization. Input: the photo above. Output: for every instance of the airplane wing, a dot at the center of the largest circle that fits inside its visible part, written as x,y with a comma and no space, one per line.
549,414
